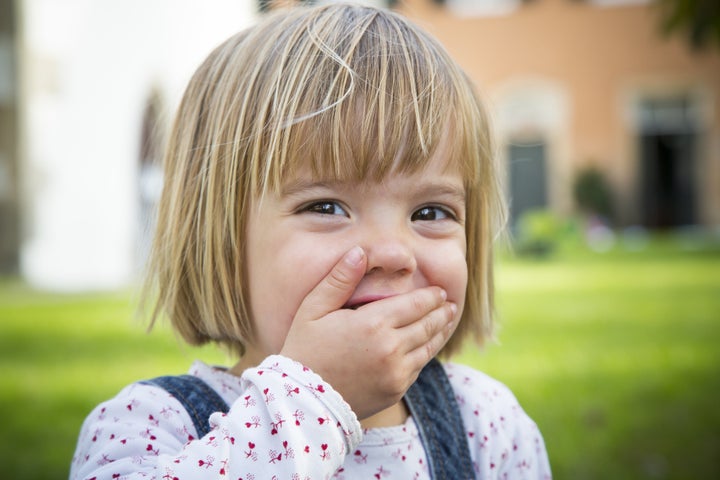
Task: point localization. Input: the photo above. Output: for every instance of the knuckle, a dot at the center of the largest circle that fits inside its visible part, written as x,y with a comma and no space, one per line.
430,351
388,351
420,302
396,383
339,279
429,326
373,327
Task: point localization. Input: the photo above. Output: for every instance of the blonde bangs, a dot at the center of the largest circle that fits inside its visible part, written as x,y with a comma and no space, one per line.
383,99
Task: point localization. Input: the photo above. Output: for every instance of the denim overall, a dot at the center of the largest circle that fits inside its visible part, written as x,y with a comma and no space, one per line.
430,399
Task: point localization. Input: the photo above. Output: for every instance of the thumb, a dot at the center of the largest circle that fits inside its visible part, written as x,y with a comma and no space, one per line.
336,288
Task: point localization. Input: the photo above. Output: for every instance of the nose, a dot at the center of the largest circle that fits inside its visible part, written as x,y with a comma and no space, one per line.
389,252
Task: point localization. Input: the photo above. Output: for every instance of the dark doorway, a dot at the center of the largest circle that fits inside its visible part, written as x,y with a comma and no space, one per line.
667,165
668,180
528,182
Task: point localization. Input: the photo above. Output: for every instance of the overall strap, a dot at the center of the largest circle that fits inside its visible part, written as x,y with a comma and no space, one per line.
196,396
432,403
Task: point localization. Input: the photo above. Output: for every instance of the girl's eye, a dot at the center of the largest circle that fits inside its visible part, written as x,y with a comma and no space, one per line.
325,207
432,213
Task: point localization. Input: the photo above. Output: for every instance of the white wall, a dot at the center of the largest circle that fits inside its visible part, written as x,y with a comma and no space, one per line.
87,69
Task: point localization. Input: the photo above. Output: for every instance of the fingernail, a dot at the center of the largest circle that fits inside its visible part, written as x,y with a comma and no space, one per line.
443,294
354,256
453,308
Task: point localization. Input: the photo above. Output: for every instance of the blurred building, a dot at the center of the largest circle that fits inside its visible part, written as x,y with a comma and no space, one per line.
86,88
575,84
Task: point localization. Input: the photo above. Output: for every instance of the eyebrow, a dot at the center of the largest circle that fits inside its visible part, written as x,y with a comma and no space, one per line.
297,186
445,189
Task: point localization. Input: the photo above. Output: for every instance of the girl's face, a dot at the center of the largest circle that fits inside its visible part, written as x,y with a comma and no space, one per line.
411,227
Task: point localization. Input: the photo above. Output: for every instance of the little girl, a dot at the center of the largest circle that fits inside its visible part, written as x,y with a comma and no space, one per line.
328,211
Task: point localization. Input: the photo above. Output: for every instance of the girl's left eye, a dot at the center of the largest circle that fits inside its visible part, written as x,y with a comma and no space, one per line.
325,207
432,213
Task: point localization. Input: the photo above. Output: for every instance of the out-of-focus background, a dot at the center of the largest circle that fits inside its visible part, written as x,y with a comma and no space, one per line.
607,118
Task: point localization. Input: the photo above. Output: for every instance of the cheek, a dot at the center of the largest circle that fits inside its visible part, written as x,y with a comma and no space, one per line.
457,284
281,275
449,271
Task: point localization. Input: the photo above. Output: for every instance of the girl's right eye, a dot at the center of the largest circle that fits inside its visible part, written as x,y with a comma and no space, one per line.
324,207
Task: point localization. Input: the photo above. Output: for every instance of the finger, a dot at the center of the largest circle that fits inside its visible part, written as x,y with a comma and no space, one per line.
425,351
336,288
402,310
438,321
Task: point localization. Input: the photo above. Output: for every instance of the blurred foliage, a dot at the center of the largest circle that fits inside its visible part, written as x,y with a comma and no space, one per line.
538,232
699,20
592,193
615,356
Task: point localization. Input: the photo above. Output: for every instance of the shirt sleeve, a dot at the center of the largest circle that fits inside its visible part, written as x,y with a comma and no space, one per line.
504,441
287,423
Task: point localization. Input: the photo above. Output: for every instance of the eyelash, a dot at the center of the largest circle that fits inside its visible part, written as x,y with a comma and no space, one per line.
317,207
447,212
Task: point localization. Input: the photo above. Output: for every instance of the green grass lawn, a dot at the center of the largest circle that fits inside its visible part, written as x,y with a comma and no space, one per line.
616,356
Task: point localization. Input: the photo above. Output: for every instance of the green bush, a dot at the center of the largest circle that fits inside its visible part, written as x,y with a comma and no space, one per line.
592,193
538,233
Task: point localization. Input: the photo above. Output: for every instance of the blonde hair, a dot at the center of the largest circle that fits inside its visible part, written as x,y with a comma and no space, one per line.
350,92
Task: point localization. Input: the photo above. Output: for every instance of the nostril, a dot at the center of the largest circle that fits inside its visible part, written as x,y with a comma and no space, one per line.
390,257
374,270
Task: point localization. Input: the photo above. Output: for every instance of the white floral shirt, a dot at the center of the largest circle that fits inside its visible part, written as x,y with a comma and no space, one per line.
285,422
